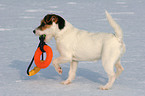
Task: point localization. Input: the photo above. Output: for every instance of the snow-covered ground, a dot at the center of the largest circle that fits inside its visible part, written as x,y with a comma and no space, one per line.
17,45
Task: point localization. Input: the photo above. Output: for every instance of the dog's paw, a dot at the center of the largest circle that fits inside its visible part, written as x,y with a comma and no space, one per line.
104,88
59,70
66,82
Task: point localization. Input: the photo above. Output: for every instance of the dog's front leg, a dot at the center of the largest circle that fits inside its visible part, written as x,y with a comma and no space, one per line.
72,73
58,61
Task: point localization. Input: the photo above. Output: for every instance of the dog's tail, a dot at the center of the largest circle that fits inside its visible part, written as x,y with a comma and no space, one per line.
116,27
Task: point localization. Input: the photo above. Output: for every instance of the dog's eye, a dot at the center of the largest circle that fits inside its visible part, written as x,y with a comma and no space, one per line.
42,24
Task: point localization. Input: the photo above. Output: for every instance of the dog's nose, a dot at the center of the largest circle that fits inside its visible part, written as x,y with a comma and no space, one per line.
34,31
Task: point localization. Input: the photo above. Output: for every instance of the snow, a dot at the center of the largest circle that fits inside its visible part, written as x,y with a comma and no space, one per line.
18,44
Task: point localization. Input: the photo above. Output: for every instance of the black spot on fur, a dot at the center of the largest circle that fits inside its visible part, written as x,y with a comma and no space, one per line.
61,22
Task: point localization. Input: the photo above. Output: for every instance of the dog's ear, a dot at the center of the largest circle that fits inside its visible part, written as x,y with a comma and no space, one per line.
50,18
54,19
47,19
61,22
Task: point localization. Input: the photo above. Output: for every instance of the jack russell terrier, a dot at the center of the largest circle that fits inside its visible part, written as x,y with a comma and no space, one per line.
76,45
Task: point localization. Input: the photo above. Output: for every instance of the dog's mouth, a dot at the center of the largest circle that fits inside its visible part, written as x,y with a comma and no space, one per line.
38,32
47,33
40,35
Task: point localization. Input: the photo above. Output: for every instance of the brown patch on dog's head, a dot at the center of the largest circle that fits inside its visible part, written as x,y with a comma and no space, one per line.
48,21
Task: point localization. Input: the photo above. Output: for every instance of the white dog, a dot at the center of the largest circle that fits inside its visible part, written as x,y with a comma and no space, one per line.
78,45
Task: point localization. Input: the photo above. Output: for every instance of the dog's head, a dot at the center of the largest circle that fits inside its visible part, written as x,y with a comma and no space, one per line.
50,25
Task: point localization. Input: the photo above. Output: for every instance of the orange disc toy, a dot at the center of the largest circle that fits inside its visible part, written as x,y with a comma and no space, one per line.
40,64
43,63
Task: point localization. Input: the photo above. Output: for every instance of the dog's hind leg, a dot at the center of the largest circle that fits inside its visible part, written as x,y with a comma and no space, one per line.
111,75
119,68
109,59
72,73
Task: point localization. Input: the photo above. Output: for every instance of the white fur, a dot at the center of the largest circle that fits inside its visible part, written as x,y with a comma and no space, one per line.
78,45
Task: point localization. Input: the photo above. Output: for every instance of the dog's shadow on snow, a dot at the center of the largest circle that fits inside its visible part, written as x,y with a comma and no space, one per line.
21,67
50,73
